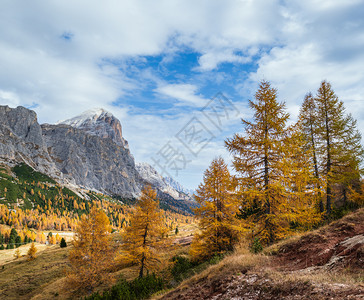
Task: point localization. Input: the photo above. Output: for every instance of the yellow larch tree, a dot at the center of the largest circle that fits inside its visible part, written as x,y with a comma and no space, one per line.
31,254
92,253
144,238
257,156
299,185
308,124
17,253
219,228
339,146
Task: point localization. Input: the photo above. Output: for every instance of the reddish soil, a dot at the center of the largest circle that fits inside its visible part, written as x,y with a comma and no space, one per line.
254,287
340,244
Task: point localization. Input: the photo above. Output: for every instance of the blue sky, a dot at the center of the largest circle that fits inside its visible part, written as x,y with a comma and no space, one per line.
156,64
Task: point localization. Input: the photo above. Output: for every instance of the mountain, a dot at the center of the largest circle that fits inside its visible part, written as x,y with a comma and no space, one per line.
177,186
151,176
93,162
87,151
93,156
98,122
21,140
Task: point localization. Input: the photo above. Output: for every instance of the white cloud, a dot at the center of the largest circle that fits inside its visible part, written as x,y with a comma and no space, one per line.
210,61
185,94
56,55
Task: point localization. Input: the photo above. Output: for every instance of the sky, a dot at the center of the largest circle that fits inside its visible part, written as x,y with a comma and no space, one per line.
177,74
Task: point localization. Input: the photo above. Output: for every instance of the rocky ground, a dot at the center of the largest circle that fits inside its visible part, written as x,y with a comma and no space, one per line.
324,264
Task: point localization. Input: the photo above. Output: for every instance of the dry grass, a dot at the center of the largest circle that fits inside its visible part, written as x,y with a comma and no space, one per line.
7,256
22,279
273,249
241,261
319,275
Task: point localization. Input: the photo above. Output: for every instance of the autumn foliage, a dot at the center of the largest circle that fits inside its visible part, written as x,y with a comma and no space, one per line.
284,172
145,236
219,229
92,253
32,252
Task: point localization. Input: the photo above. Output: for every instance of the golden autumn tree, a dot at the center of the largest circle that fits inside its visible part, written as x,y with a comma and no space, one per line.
298,184
219,229
339,144
31,254
145,236
257,156
308,124
92,252
17,253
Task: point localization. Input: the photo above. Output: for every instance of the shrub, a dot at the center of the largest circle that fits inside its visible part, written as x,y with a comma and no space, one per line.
139,288
181,266
256,247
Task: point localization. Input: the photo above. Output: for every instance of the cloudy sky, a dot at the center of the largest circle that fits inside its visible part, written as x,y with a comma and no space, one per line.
156,65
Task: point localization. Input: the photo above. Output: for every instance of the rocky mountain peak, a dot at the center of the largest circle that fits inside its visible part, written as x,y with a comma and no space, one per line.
99,122
170,187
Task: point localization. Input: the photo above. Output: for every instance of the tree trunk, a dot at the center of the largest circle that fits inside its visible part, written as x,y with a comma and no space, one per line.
141,272
321,204
328,165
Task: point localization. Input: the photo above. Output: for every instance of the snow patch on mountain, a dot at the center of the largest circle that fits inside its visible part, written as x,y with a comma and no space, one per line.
177,186
99,122
150,175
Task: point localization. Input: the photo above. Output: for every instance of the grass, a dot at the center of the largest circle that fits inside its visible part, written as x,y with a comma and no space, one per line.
22,279
319,276
7,256
240,262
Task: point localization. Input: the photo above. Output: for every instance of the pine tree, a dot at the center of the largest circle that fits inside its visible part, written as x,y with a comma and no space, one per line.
18,241
92,253
219,228
143,239
53,240
63,243
32,252
257,158
340,146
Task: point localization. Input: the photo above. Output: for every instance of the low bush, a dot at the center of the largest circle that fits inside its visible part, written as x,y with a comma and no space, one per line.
139,288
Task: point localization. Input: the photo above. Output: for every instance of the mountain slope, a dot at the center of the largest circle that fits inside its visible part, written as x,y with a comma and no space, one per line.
323,264
166,193
21,140
177,186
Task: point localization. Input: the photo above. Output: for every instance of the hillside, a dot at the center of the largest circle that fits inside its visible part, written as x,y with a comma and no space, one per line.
323,264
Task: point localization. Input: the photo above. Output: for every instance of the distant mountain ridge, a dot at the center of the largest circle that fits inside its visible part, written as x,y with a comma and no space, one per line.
168,186
177,186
